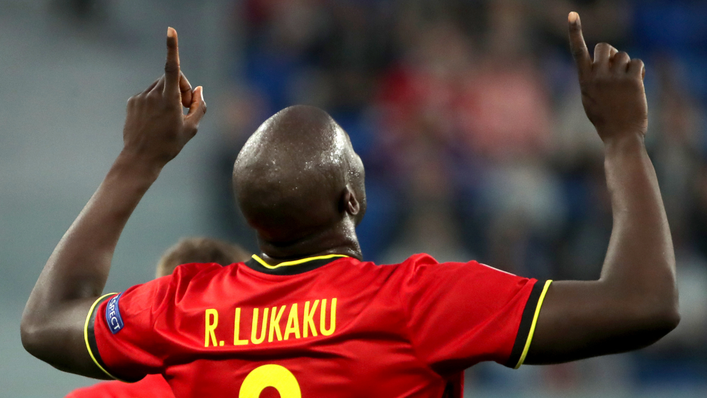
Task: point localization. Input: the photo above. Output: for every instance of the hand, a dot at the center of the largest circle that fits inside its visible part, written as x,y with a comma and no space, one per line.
156,128
612,86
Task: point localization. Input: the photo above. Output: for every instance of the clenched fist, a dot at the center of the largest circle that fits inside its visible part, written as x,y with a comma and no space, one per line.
156,128
612,86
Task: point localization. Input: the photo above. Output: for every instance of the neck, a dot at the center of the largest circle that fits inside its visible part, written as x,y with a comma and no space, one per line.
339,240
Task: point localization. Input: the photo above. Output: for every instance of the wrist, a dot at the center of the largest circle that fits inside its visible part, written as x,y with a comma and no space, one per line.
137,167
624,143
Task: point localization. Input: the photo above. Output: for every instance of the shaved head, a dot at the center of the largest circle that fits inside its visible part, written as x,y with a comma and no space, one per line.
298,178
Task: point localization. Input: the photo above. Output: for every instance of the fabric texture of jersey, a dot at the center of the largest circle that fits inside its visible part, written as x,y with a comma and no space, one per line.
153,386
346,328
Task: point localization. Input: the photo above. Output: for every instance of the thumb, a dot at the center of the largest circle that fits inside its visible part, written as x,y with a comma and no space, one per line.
197,108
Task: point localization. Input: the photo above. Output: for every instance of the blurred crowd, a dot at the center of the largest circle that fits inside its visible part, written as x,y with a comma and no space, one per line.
468,117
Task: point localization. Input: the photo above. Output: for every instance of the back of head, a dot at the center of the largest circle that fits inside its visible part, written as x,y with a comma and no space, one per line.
200,250
294,174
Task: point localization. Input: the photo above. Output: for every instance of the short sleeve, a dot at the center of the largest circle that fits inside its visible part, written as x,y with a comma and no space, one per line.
460,314
119,331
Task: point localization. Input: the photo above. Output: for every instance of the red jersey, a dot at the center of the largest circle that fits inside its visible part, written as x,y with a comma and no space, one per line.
331,326
153,386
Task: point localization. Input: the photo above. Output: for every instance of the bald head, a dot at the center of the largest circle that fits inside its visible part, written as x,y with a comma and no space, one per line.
298,176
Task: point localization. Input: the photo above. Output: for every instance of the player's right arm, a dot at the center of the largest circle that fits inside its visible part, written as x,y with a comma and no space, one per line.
73,278
635,301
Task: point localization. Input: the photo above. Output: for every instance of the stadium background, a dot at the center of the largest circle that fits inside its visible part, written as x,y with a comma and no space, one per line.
466,113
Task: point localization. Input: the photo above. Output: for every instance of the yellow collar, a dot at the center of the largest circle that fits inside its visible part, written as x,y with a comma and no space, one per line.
294,262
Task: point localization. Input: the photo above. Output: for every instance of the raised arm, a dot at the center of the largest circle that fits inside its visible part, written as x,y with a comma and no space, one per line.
635,301
155,131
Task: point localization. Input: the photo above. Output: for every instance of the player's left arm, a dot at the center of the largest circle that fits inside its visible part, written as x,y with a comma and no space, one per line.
635,301
155,131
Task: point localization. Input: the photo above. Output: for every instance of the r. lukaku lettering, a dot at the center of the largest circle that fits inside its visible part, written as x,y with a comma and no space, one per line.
314,318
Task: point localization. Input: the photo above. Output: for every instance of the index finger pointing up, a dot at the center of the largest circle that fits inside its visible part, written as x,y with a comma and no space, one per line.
578,46
171,67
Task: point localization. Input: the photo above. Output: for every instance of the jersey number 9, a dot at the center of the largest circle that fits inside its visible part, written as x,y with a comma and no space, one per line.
271,375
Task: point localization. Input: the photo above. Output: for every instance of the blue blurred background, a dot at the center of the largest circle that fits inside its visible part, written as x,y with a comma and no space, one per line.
467,115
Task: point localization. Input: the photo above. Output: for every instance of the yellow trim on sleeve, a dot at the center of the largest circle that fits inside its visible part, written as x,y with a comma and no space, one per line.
532,325
85,335
294,262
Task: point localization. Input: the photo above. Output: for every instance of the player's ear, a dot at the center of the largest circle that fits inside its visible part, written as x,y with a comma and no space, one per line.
350,203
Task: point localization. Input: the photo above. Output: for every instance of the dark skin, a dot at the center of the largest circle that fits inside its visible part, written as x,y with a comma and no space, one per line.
635,301
300,185
155,131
